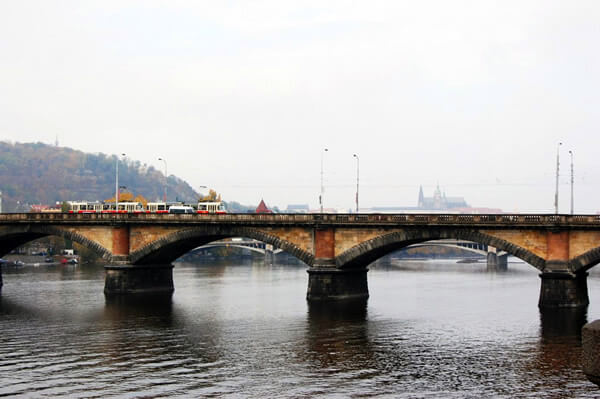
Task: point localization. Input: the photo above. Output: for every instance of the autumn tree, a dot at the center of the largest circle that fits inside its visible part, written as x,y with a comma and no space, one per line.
212,196
140,198
123,197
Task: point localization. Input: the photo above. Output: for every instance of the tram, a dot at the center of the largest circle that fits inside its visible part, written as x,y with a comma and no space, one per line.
104,207
159,207
85,207
137,207
123,207
211,207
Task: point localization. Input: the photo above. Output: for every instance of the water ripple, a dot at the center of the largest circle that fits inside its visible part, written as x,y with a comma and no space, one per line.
246,331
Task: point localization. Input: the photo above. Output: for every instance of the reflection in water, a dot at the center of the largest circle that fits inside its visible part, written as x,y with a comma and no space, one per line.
326,314
148,307
9,307
558,353
562,323
429,329
337,334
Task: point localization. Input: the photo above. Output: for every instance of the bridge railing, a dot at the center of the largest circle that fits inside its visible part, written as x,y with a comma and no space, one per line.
414,219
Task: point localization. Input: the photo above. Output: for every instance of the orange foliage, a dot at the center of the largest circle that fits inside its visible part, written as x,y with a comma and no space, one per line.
123,197
212,196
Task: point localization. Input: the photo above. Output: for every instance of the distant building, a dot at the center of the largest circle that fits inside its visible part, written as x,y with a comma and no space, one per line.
44,208
262,208
329,210
297,208
439,203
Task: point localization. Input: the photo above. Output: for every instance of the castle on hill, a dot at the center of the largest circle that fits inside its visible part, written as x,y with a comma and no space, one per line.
440,201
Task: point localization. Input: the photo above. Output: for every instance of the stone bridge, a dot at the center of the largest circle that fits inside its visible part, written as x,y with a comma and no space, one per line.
336,247
496,260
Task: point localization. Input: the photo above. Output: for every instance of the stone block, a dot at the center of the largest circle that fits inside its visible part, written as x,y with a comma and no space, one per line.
590,340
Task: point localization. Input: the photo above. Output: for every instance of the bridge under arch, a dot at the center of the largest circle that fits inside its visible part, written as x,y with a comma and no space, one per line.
337,248
497,260
14,237
375,248
170,247
243,243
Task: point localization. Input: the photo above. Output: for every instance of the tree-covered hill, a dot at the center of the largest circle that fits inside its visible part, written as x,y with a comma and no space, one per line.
36,173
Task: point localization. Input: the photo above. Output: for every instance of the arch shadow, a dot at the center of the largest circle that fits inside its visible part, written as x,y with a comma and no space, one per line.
170,247
371,250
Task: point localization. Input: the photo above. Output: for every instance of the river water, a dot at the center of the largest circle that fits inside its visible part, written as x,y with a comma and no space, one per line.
431,329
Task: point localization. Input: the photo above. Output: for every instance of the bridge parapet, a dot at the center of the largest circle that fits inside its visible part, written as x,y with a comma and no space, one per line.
509,220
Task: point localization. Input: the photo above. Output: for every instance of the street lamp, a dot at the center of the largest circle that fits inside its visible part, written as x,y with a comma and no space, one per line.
572,181
117,184
557,168
165,161
357,174
321,196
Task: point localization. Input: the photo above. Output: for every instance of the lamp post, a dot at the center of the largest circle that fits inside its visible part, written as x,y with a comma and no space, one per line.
357,174
321,196
117,184
572,181
165,195
557,168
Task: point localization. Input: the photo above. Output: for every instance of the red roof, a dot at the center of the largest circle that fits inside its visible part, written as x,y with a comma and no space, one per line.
262,208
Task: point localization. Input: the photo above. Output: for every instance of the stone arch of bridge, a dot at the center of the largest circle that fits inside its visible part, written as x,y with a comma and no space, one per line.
170,247
14,236
585,261
373,249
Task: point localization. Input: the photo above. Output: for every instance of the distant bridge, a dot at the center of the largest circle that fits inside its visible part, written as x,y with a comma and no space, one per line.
248,244
496,259
336,247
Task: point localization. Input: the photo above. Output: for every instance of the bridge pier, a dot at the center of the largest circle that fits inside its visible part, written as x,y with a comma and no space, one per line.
497,262
269,255
326,284
144,279
563,289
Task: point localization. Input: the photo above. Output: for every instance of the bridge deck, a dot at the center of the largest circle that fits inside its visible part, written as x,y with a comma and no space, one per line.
494,220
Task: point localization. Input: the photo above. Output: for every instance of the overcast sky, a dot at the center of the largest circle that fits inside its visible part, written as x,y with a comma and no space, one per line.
244,96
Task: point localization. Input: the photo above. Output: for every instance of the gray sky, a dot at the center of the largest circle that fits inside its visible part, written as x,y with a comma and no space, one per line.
243,96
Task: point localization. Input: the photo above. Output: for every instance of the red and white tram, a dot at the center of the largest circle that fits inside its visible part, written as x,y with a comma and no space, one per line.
137,207
158,207
84,207
123,207
211,207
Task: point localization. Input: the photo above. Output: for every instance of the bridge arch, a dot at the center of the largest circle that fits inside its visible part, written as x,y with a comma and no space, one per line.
585,261
170,247
373,249
14,236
